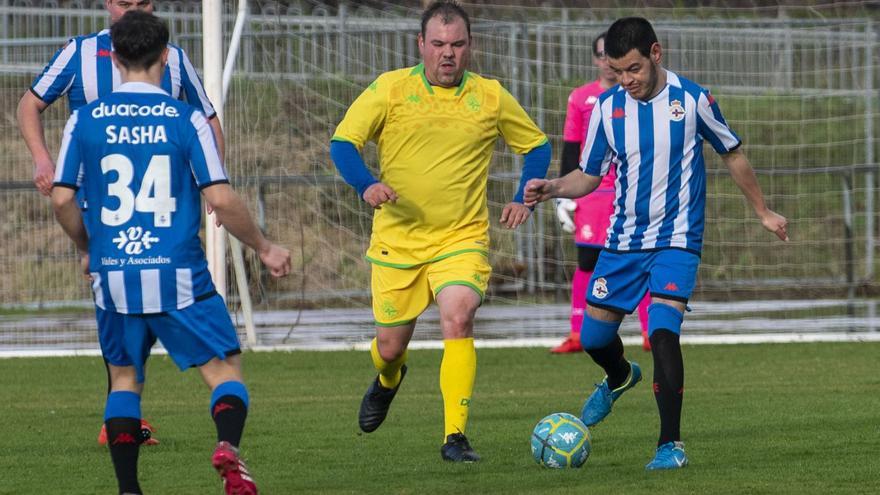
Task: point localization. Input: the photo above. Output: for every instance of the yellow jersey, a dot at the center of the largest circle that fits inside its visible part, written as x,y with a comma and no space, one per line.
434,147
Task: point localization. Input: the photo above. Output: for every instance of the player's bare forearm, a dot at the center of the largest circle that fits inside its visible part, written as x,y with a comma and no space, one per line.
573,185
218,136
69,216
234,215
31,127
744,176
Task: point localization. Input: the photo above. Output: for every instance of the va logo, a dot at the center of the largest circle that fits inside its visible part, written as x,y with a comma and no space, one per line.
134,240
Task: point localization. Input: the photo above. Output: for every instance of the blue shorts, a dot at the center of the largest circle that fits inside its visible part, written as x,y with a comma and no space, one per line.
192,336
620,279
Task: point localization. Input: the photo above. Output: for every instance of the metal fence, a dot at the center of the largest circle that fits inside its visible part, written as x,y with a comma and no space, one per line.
801,93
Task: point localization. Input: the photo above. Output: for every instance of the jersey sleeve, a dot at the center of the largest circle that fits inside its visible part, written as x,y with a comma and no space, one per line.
596,155
204,158
56,78
69,170
516,127
712,126
366,116
192,87
573,131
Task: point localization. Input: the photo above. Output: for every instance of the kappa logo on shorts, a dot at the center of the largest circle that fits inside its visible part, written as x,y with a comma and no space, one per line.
477,278
671,286
600,289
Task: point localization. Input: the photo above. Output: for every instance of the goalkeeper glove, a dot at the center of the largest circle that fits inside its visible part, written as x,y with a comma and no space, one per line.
564,208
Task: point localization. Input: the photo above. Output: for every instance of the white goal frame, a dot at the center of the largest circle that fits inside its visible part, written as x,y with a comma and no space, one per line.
217,79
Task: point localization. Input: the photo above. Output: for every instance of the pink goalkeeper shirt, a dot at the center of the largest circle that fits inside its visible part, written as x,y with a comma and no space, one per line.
577,118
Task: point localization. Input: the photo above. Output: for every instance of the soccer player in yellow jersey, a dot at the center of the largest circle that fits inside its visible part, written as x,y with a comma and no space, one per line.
435,125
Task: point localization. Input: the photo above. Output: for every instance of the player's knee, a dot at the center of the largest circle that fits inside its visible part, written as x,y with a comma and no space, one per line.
390,351
458,324
664,317
596,334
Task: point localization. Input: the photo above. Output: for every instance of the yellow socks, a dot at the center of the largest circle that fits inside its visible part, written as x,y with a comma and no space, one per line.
389,373
457,372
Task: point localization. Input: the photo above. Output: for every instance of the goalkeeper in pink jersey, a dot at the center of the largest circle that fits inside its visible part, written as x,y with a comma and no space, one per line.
592,213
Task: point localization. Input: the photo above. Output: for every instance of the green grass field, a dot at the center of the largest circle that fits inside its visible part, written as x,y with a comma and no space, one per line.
798,418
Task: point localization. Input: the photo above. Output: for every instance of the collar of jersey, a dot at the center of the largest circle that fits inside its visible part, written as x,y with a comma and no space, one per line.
139,87
420,70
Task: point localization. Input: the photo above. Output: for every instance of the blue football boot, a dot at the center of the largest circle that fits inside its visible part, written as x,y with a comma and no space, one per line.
670,455
598,404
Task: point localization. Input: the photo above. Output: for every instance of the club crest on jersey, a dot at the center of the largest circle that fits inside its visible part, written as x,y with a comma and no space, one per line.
676,111
591,100
600,289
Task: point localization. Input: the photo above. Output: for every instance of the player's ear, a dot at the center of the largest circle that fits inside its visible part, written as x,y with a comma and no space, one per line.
116,61
164,57
656,53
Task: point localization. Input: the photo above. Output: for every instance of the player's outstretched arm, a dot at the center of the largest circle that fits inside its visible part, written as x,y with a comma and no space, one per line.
31,127
744,177
234,215
572,185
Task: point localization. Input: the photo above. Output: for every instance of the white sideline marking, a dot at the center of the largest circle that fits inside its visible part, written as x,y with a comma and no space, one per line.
540,342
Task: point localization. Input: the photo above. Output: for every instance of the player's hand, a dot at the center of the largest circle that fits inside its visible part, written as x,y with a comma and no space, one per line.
379,193
276,259
537,190
564,209
44,175
514,214
776,223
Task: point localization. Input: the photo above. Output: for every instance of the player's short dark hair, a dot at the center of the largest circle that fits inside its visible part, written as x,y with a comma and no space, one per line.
138,39
448,10
596,41
629,33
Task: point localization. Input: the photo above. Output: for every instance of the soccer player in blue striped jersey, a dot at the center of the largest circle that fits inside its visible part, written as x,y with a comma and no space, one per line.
143,157
652,127
82,70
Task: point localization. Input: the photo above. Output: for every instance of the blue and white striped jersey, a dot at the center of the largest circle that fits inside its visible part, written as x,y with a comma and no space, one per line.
84,71
142,158
657,147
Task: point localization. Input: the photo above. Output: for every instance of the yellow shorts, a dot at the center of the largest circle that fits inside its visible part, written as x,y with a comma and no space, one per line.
400,295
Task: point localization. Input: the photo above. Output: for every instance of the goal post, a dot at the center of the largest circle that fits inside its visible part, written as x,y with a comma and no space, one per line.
215,236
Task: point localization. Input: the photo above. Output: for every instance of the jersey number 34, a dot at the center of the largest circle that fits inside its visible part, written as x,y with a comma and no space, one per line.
154,195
